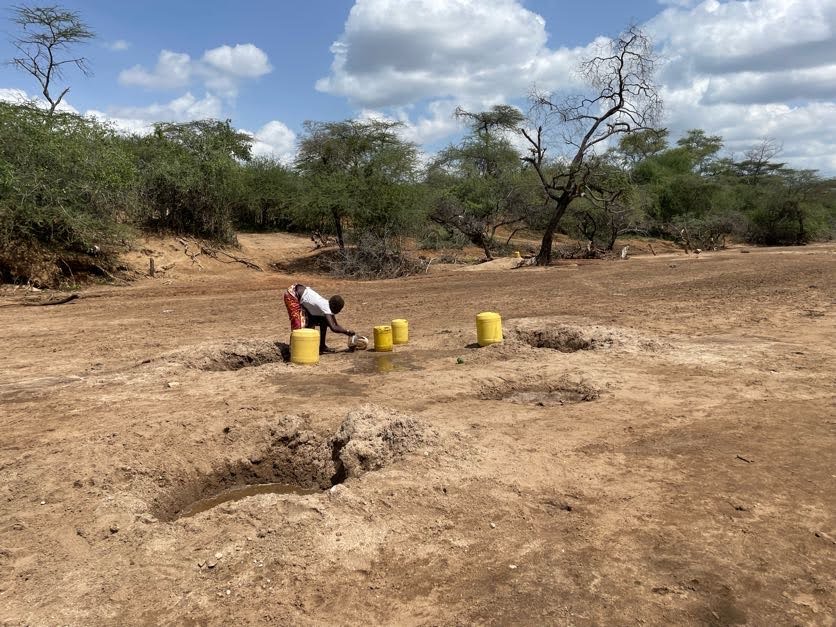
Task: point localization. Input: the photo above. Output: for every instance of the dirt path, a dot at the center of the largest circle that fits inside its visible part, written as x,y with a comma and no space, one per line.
653,443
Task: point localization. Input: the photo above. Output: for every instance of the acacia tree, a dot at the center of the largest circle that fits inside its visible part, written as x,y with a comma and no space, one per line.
48,33
357,173
623,99
478,184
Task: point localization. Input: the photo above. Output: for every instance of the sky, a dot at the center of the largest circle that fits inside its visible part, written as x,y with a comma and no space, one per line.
748,71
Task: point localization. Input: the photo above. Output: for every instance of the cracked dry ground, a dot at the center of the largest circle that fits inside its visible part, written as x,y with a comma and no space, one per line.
653,443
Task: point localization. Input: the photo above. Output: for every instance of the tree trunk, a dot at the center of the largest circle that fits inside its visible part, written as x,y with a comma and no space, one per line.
486,247
544,257
338,226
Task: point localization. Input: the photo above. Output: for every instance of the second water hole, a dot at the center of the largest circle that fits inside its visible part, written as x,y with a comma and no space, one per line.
242,492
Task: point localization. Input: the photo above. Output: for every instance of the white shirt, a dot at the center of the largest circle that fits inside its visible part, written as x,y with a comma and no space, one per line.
315,304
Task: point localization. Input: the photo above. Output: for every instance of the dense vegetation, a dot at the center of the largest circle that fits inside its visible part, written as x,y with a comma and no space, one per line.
73,191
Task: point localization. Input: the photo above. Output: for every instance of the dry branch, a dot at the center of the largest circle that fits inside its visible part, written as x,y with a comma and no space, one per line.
60,301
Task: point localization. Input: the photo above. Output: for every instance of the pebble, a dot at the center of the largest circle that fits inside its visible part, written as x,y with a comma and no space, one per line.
513,566
493,525
211,564
218,555
173,384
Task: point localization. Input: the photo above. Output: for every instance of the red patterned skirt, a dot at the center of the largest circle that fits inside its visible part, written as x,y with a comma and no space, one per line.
297,314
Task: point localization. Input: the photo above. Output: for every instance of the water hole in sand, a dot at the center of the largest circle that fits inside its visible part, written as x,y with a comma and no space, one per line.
292,459
541,393
234,355
237,494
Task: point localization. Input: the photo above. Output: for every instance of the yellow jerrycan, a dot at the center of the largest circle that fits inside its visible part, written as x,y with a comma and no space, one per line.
488,328
400,331
383,338
304,346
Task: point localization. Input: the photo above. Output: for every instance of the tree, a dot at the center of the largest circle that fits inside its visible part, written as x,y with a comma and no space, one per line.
67,185
49,32
638,146
702,147
269,191
758,162
357,173
623,100
190,181
478,184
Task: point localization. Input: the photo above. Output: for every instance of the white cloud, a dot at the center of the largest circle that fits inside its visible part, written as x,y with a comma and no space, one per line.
759,35
741,69
183,109
128,126
274,140
393,53
15,96
118,46
220,69
243,60
173,70
19,96
750,70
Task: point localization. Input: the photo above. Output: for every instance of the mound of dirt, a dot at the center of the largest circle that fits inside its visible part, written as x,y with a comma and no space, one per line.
370,437
287,451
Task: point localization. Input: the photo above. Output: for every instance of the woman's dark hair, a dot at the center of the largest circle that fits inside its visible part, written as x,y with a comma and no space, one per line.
336,303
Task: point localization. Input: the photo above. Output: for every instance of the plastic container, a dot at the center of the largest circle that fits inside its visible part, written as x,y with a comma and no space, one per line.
304,346
383,338
400,331
488,328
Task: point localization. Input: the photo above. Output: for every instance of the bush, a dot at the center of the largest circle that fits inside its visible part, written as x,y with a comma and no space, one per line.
371,258
190,177
67,187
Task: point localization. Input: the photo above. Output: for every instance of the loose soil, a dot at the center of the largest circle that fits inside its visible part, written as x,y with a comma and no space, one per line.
652,443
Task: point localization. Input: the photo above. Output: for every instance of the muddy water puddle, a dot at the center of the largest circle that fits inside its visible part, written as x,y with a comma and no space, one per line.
403,360
382,363
236,494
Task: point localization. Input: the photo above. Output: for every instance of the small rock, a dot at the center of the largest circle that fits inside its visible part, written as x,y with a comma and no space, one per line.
43,502
493,525
219,555
228,592
211,564
173,384
459,360
201,563
114,528
513,567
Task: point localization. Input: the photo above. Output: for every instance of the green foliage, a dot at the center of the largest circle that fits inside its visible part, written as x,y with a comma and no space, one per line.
190,177
357,176
639,146
480,185
268,192
66,182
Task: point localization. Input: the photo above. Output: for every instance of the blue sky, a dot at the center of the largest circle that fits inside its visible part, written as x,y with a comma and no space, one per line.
744,70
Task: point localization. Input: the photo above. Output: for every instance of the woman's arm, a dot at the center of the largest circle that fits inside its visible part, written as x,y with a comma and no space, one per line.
331,319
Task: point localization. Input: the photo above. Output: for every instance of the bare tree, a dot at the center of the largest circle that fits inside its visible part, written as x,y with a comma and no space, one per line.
758,161
624,100
48,33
